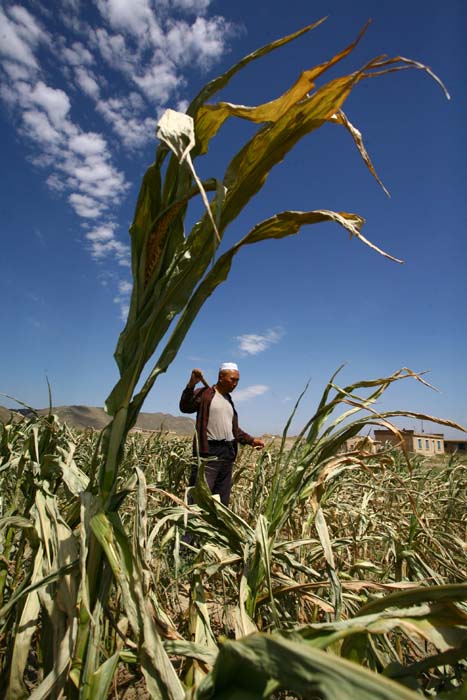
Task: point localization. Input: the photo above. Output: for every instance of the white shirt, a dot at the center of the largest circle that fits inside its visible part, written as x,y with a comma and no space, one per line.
220,419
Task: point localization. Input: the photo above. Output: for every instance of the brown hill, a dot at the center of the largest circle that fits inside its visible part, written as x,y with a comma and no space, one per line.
95,417
7,414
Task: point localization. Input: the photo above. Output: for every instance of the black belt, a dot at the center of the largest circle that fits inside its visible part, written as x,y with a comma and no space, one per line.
221,442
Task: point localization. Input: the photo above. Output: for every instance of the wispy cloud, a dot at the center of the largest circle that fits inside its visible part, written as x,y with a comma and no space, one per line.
254,343
85,80
189,6
79,162
200,43
123,298
127,67
21,34
124,116
103,242
250,392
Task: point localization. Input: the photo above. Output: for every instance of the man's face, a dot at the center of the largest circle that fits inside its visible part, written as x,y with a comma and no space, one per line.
228,380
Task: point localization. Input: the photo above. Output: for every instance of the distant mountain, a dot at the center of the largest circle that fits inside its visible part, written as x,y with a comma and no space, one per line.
7,413
94,417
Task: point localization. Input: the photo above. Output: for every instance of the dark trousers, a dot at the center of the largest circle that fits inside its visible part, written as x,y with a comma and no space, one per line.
218,471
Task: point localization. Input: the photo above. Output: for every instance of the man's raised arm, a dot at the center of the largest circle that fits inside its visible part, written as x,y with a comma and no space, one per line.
188,402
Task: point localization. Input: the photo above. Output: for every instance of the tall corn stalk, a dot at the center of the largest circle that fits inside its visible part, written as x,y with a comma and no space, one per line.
173,272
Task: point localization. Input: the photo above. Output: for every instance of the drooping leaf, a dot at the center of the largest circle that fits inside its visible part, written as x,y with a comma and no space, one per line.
210,118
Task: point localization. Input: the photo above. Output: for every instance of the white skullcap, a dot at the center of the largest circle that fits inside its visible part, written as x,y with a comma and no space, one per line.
228,366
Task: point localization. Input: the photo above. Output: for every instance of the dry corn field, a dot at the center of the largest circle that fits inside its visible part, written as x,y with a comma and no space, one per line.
326,569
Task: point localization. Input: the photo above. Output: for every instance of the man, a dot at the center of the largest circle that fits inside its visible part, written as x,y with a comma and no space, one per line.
217,429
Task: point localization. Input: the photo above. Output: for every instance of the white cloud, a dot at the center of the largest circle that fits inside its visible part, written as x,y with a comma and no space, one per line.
250,392
112,248
182,105
97,177
254,343
55,183
53,101
152,62
88,144
102,233
201,43
38,128
26,25
19,36
134,17
103,244
8,95
125,287
85,206
123,116
124,308
189,6
122,298
16,71
87,82
72,4
77,55
159,81
112,48
80,162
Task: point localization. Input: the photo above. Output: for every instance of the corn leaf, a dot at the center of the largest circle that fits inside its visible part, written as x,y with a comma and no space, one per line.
159,673
101,679
221,81
25,630
210,118
323,534
245,668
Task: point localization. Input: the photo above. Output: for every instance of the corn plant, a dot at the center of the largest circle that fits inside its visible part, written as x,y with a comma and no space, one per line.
41,483
175,272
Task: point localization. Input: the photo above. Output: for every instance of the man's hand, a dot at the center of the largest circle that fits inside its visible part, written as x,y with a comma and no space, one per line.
257,443
196,376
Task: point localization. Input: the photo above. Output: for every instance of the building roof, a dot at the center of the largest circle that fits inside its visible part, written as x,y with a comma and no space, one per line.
412,433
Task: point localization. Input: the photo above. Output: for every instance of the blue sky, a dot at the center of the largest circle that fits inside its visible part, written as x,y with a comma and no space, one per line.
82,86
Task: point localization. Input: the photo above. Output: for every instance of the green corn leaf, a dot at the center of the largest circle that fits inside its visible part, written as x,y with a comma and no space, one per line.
323,534
442,624
101,680
249,665
89,663
244,624
201,625
454,592
231,525
205,654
